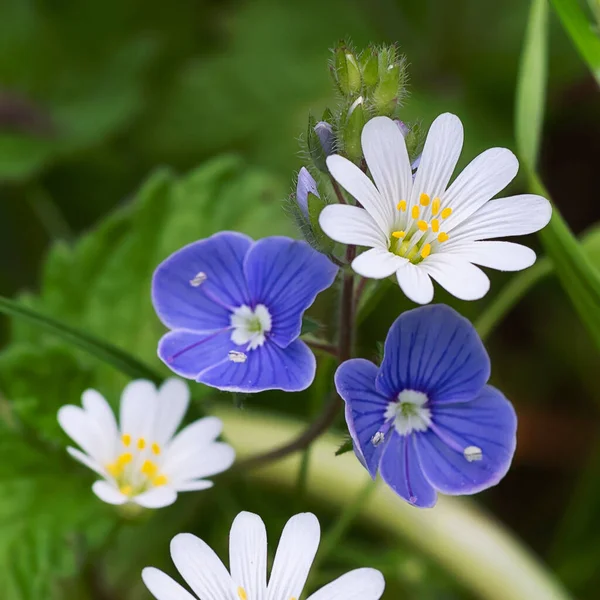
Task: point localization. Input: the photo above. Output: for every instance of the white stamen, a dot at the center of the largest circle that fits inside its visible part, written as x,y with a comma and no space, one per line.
473,453
377,438
237,357
198,280
409,412
250,326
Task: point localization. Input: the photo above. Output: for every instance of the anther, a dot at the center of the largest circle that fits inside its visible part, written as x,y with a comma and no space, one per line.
435,225
435,206
401,205
446,212
149,468
424,199
426,251
398,234
237,357
155,448
125,458
141,443
126,490
126,439
415,212
443,237
198,280
160,480
377,438
422,225
473,453
242,593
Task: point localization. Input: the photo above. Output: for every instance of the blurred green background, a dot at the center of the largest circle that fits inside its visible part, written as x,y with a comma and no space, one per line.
204,101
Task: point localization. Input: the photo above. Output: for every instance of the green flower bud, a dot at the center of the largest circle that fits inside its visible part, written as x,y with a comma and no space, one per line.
346,71
370,70
391,82
351,132
321,242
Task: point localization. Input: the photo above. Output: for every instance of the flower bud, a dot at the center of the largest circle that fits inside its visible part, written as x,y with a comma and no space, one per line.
346,71
370,70
325,132
306,185
352,130
320,141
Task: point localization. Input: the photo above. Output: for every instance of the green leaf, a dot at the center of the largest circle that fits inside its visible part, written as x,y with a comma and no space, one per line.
582,32
345,446
578,276
310,326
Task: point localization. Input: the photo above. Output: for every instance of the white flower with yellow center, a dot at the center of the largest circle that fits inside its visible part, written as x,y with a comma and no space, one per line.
247,578
141,460
425,228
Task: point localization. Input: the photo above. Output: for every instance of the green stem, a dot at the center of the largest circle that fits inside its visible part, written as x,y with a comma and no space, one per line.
102,350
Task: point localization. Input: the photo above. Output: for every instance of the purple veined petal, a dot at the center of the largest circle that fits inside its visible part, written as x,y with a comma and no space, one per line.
196,287
269,367
188,353
434,350
306,185
365,409
286,275
470,445
401,470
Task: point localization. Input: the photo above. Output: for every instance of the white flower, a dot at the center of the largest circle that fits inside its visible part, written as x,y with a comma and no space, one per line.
425,228
209,579
141,461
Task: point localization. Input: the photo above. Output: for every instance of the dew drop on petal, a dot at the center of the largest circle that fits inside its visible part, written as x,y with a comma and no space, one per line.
473,453
198,280
237,357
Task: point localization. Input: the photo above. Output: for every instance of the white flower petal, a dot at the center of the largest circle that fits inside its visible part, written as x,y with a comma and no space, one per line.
100,411
248,555
139,402
193,462
84,459
294,557
173,401
360,584
505,217
440,155
415,283
485,176
202,569
504,256
162,587
86,432
156,497
108,493
354,181
387,158
457,276
194,485
377,263
351,225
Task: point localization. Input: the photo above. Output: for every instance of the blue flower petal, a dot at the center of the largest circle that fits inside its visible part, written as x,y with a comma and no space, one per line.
306,185
436,351
202,307
286,275
488,423
268,367
365,408
401,470
188,353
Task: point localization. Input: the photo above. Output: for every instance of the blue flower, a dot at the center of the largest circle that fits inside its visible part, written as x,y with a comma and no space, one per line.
235,310
425,419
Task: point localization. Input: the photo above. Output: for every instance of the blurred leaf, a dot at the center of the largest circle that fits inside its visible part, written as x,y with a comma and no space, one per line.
345,446
310,326
582,32
578,276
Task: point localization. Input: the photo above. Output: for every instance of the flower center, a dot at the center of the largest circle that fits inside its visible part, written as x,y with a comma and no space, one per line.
136,469
409,412
250,326
418,233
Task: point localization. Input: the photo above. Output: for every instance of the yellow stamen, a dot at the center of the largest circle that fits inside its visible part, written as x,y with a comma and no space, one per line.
443,237
398,234
401,205
415,212
446,212
160,480
126,439
115,469
155,448
141,444
127,490
125,458
426,251
424,199
242,593
149,468
435,225
435,207
422,225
